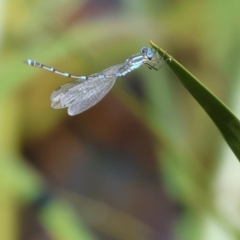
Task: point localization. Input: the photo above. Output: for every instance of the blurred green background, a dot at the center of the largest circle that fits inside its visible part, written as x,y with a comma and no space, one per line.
144,163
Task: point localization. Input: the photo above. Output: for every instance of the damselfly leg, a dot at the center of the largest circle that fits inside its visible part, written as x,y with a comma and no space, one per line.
157,62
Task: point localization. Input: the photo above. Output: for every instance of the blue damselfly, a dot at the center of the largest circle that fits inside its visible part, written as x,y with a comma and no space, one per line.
86,91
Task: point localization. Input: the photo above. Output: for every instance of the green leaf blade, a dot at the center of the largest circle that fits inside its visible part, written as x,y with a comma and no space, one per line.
224,119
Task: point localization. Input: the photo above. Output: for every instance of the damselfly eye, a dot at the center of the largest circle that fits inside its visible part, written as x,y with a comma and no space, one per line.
150,53
144,50
147,52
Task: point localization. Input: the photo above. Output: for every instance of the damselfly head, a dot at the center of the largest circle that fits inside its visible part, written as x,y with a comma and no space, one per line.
148,52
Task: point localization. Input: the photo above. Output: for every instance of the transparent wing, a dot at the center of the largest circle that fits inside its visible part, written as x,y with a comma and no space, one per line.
80,95
59,93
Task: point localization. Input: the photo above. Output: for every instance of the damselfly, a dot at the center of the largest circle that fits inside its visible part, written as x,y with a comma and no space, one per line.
86,91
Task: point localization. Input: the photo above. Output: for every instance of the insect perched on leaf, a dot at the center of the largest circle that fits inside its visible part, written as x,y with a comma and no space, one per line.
86,91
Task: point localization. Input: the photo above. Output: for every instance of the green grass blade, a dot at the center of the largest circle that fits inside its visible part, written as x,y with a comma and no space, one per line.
225,120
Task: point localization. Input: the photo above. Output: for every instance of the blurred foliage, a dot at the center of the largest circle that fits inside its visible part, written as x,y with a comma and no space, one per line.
85,37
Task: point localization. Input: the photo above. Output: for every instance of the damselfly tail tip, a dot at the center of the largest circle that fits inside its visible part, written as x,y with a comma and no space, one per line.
32,63
28,62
